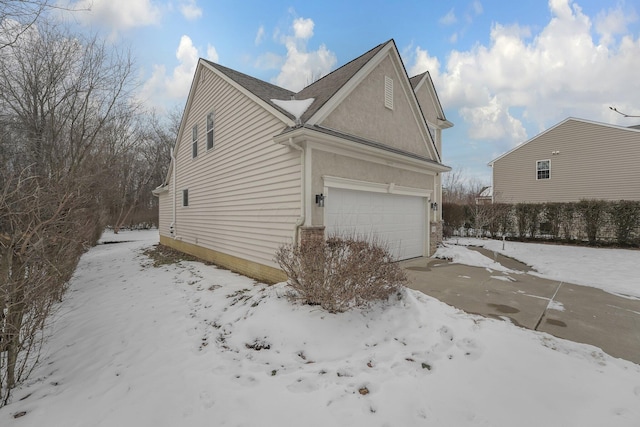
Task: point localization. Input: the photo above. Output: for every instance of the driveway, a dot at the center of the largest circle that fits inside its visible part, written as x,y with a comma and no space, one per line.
578,313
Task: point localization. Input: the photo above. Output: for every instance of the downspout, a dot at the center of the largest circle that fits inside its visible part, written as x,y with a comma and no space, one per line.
172,228
303,199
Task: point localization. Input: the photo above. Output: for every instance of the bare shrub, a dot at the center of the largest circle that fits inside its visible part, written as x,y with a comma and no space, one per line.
340,273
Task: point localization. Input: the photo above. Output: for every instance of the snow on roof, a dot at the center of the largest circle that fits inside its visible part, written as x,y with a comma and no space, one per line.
294,106
487,192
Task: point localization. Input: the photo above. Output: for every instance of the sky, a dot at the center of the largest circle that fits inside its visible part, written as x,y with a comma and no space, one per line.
504,71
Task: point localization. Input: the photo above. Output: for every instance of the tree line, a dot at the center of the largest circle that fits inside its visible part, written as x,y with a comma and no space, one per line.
78,153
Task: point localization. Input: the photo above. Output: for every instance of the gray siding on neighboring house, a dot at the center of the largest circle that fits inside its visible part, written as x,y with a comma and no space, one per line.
244,194
363,113
591,160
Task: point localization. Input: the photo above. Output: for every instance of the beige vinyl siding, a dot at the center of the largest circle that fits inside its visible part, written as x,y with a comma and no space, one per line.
594,161
244,194
165,212
363,113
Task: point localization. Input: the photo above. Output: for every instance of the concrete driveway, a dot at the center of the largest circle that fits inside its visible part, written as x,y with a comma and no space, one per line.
578,313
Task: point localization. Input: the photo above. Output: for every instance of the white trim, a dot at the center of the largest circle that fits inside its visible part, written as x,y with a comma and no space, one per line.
337,145
374,187
270,108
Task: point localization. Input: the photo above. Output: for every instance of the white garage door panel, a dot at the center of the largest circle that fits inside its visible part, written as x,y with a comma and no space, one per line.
396,220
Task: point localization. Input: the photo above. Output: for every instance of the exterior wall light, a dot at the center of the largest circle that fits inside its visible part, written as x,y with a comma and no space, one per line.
320,200
434,206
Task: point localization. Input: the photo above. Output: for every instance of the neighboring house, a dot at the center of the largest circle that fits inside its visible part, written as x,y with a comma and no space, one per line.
575,159
256,166
485,196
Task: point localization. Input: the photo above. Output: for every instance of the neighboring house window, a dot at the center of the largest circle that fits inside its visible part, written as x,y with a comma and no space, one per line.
210,126
194,141
185,197
543,169
388,92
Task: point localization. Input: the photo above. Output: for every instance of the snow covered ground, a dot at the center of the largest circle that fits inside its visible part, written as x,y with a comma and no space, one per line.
616,271
192,345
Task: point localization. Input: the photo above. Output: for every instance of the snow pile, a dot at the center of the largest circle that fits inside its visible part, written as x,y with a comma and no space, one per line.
462,255
191,345
612,270
294,107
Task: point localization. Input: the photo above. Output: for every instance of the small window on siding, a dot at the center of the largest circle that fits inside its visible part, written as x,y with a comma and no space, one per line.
543,169
194,141
185,197
388,92
210,127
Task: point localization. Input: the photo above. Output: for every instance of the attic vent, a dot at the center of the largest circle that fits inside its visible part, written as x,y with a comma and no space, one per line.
388,92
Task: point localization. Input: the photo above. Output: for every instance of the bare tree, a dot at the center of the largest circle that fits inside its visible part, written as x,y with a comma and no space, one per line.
18,16
59,93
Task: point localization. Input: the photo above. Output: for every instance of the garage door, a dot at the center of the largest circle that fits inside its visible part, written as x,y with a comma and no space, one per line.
397,220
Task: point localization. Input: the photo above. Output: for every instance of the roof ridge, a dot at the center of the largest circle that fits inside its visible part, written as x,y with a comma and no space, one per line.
344,65
325,88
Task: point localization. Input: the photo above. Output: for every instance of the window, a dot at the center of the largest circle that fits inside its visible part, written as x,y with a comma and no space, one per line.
185,197
388,92
210,131
543,169
194,141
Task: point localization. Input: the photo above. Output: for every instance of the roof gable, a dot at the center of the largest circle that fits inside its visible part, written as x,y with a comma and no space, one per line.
260,89
568,119
424,81
351,79
324,89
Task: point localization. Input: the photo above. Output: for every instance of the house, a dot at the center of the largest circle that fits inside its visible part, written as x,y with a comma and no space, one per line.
573,160
256,166
485,196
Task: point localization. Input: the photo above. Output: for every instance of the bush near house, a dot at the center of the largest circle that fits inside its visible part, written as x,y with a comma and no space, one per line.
340,273
595,222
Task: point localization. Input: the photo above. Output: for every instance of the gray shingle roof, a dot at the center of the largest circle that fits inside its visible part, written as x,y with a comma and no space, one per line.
321,90
263,90
416,79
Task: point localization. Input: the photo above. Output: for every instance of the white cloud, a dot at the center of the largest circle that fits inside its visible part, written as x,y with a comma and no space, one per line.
259,35
477,7
162,87
449,18
523,80
212,53
303,28
190,9
613,22
301,67
114,14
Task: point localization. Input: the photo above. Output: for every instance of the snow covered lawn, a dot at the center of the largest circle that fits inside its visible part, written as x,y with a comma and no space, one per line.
616,271
192,345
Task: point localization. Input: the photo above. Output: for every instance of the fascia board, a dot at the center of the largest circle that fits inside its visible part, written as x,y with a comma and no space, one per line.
337,145
250,95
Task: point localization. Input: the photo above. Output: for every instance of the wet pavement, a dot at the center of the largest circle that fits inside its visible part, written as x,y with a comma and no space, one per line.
578,313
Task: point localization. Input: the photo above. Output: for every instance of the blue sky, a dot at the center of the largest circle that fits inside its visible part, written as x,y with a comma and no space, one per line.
504,70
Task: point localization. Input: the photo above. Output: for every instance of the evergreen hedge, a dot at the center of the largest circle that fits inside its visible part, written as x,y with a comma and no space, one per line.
595,222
